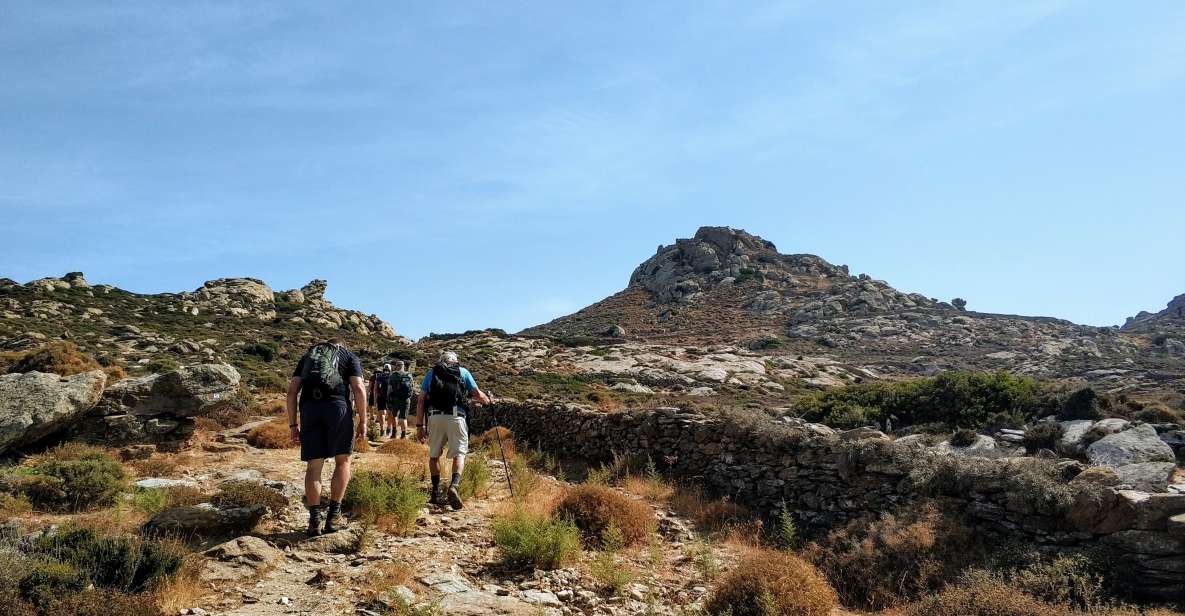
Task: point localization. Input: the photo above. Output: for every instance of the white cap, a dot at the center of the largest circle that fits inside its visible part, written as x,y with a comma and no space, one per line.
386,367
449,358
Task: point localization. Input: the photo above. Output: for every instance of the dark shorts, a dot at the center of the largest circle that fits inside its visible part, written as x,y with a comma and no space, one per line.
326,430
399,408
381,402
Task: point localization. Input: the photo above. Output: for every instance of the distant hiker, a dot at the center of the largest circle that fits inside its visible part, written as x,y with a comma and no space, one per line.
440,414
378,394
328,382
400,387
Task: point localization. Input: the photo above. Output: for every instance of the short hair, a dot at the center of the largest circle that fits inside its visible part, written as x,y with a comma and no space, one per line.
402,366
449,357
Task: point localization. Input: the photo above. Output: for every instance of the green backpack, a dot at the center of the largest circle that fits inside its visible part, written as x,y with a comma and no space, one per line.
320,376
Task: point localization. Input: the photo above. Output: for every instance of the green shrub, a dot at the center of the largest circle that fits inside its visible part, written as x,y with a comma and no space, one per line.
267,351
527,540
957,399
605,569
124,563
74,478
162,364
105,603
981,594
48,581
1066,580
788,536
1085,403
475,477
244,493
1043,435
392,499
151,502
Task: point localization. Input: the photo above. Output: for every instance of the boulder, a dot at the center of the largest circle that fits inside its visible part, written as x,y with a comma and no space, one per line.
204,520
34,405
984,446
1072,443
188,392
1133,446
240,558
1146,476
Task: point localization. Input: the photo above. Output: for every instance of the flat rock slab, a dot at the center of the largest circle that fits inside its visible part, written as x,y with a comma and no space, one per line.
1147,476
157,483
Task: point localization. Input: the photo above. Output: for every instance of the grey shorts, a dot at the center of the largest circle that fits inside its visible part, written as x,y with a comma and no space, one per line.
451,429
399,408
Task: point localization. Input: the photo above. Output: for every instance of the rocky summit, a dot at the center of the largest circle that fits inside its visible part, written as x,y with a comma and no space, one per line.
727,286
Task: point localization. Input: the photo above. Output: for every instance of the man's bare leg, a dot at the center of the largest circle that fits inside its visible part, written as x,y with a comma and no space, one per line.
312,482
341,478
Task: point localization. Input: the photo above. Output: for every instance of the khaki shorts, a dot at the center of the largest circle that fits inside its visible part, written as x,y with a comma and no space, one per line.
452,428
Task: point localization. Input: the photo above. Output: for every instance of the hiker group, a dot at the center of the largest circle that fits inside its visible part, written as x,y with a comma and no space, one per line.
327,414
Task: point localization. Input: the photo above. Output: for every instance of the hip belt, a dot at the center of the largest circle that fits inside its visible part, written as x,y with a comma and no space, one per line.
457,411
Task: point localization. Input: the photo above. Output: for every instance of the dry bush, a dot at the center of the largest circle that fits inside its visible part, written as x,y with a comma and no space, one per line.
877,563
709,515
271,435
652,488
105,603
1066,580
594,508
275,406
981,594
771,582
63,358
156,466
488,441
243,493
231,416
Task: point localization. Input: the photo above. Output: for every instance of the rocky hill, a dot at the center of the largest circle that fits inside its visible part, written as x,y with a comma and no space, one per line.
241,321
726,286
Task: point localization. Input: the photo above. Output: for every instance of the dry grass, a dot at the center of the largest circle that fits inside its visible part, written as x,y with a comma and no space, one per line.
709,515
271,435
63,358
772,582
156,466
275,406
240,493
883,562
404,448
651,488
182,590
594,508
489,439
384,576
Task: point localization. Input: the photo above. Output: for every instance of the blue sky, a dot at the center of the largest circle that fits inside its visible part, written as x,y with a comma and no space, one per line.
472,164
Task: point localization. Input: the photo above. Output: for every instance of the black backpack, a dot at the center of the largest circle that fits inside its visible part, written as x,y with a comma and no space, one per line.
320,375
382,378
399,387
447,388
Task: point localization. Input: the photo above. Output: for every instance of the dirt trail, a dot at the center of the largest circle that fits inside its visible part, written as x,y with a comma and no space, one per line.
451,553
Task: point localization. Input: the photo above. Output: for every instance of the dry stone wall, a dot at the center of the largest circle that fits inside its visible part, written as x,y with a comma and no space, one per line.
829,480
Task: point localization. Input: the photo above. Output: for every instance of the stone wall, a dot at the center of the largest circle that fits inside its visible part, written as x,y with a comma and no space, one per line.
829,480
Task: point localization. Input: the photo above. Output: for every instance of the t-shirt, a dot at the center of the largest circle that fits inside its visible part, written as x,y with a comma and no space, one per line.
348,365
466,378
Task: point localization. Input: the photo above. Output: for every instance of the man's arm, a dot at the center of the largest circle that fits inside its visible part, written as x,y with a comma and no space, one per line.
359,393
479,395
290,407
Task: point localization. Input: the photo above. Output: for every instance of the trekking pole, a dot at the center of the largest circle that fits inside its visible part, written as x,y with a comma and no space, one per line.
501,449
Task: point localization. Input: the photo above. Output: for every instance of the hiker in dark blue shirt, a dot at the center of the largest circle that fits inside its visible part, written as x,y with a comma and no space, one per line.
326,384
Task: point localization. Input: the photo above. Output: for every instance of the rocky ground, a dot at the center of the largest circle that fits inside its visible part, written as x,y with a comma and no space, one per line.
448,561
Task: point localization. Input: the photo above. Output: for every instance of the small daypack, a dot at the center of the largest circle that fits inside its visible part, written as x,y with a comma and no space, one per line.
320,376
447,388
383,380
399,387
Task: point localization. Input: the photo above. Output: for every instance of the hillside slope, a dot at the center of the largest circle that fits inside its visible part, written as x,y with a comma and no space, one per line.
237,320
726,286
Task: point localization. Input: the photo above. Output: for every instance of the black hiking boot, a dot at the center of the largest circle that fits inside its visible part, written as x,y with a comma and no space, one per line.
454,496
436,496
314,521
334,520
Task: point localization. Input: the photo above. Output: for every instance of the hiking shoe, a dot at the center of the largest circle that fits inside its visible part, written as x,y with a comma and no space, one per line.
436,497
334,520
314,528
454,497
